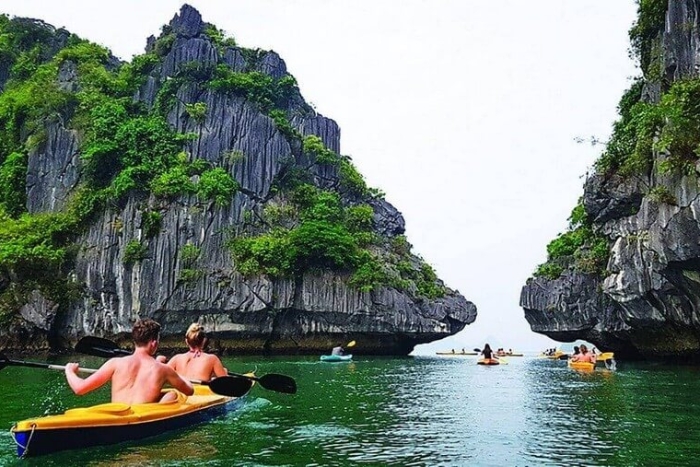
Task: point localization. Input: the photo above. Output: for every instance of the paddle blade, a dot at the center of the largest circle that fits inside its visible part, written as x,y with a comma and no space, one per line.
230,386
606,356
3,361
99,347
351,344
477,350
279,383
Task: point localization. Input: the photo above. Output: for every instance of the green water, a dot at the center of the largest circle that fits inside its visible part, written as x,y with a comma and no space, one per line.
406,412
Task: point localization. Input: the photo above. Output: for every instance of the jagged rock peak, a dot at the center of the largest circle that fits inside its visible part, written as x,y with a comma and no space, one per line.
188,23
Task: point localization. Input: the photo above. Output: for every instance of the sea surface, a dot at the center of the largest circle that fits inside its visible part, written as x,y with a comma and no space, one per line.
413,411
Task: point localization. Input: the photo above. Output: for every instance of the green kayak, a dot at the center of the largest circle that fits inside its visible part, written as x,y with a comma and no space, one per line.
336,358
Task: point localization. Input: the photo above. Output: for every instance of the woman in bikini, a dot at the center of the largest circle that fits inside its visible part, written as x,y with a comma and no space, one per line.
196,363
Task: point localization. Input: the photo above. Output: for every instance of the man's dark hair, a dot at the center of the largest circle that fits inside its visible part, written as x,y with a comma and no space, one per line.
144,331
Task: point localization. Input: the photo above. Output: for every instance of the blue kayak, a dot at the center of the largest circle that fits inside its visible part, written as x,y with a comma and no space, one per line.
336,358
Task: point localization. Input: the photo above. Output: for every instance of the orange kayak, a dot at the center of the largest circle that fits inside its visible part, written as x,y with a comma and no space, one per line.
488,361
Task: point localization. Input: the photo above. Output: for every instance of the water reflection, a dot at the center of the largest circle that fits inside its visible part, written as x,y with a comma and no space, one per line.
569,414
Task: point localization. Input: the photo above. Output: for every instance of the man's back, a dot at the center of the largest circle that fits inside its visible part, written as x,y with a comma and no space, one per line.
137,379
200,365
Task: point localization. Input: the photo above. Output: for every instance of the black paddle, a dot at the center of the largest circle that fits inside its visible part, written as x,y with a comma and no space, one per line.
225,386
101,347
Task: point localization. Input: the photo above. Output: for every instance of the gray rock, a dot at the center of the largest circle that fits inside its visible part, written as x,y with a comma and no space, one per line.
39,311
613,197
53,170
188,23
271,64
244,314
646,304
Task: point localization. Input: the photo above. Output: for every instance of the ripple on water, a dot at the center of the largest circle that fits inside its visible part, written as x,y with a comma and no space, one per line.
421,412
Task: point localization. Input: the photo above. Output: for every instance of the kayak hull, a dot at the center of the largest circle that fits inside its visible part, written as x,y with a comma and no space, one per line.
116,423
488,361
336,358
584,366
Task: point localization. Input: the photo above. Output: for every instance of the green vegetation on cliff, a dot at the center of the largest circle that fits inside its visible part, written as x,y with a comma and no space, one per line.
661,136
54,81
671,127
579,248
644,34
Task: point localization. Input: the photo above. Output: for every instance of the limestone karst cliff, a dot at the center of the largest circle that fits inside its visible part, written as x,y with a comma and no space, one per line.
193,184
626,276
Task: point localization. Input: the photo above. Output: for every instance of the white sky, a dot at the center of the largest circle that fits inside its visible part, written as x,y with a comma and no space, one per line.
463,112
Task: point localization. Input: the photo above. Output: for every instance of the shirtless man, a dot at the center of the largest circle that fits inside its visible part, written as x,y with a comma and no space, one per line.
196,363
137,378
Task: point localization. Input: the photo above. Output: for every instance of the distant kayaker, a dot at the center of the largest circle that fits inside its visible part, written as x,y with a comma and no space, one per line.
137,378
487,352
576,350
196,363
339,350
584,355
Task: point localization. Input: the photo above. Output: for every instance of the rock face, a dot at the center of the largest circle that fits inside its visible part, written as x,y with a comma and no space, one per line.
243,314
647,303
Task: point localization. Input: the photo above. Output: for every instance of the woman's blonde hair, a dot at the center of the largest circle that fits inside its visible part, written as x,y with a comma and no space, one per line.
195,336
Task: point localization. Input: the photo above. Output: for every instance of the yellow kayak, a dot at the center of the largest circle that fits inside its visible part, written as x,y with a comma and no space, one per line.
456,353
558,355
585,366
113,423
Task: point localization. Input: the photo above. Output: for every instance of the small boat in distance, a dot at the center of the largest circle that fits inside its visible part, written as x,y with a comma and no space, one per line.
336,358
554,354
452,352
509,353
